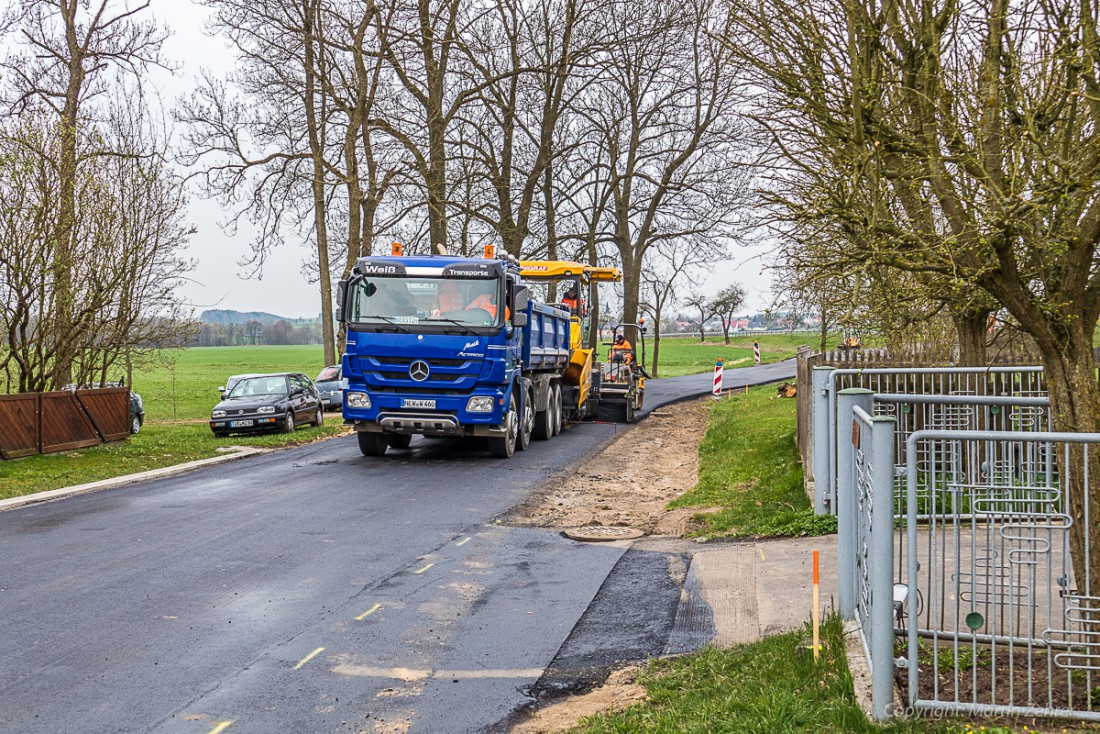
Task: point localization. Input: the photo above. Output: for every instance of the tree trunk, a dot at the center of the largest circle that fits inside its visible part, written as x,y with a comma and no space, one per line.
632,284
314,122
970,328
654,365
63,337
1070,375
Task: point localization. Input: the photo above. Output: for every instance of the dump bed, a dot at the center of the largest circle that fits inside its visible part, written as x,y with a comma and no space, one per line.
546,337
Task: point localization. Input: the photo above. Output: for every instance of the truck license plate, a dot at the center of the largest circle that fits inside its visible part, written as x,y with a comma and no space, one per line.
409,403
240,424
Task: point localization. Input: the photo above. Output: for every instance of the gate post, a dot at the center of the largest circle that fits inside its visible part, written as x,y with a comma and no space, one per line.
823,464
882,567
845,504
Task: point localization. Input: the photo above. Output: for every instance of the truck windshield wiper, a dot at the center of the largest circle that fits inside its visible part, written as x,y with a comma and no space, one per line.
392,322
464,327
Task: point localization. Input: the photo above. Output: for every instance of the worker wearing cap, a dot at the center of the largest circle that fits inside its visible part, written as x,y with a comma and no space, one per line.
570,300
622,350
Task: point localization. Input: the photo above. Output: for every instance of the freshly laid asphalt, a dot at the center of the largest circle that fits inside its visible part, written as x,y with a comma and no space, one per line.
315,589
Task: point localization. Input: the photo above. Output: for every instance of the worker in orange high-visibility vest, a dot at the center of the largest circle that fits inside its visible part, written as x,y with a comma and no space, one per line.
622,350
487,300
570,300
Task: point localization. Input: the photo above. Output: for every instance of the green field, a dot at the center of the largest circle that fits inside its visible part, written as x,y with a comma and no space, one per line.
182,384
686,355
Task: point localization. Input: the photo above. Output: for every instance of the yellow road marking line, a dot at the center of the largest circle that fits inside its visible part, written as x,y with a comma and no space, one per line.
369,612
222,726
462,542
309,657
761,551
424,569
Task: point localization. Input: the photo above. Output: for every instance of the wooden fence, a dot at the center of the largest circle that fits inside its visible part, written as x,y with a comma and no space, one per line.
47,422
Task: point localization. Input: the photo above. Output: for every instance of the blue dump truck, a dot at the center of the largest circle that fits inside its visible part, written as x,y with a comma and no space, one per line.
451,346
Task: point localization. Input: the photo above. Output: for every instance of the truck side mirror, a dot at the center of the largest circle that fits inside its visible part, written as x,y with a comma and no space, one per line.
341,297
521,296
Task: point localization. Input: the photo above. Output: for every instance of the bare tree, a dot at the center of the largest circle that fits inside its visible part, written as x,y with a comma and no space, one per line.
701,305
675,259
70,53
725,305
661,113
267,154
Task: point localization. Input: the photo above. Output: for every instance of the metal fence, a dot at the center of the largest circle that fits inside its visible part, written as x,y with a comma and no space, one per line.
978,398
996,619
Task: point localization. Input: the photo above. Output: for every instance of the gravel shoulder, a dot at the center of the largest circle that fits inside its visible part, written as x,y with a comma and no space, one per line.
630,482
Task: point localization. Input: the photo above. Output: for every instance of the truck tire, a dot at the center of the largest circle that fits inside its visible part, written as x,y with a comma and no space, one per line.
559,413
523,438
399,440
543,429
372,444
502,447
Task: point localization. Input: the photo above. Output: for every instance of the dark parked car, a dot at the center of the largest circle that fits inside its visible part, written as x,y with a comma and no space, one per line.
276,402
330,385
137,407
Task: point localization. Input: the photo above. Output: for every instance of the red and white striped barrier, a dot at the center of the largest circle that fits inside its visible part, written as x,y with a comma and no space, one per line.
717,391
756,351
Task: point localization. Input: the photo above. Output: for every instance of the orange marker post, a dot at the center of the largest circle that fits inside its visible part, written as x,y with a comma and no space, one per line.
817,607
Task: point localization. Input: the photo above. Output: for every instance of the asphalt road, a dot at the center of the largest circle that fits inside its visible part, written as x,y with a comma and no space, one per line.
316,590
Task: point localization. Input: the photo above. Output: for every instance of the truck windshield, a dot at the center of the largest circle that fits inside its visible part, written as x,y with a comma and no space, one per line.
464,302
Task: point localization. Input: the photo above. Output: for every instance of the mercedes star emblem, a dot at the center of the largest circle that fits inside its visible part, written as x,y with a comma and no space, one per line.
418,370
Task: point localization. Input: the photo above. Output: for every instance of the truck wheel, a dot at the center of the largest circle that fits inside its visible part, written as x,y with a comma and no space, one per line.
372,444
543,429
523,439
559,414
502,447
399,440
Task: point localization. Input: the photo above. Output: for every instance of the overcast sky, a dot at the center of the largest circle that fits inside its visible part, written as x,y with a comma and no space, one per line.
219,280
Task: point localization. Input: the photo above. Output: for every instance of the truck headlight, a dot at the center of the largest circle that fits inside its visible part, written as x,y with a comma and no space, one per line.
266,409
480,404
218,414
358,400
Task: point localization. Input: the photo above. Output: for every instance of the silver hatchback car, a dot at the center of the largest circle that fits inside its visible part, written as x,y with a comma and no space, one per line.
330,384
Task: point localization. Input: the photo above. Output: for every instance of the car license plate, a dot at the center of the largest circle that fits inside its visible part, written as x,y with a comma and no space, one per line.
409,403
240,424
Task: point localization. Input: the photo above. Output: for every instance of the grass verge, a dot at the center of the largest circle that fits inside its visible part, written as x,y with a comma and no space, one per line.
750,467
157,446
767,687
